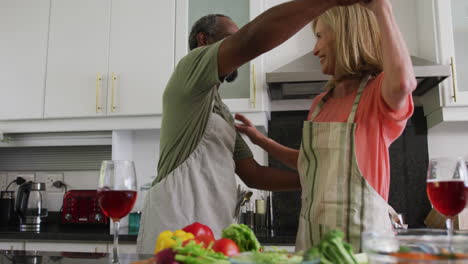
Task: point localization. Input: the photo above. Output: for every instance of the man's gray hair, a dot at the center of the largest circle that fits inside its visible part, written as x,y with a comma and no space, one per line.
207,25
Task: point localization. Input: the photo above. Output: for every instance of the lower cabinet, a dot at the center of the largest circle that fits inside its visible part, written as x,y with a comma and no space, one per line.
66,247
124,248
6,245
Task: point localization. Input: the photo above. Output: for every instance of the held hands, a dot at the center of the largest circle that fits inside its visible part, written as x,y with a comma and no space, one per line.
248,129
346,2
375,5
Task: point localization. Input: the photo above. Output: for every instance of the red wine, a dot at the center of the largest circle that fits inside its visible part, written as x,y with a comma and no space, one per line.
116,204
447,197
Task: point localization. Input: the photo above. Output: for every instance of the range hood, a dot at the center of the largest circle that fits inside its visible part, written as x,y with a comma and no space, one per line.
303,79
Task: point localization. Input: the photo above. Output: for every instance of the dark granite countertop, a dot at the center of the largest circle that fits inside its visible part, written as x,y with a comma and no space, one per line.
10,257
99,234
55,231
66,233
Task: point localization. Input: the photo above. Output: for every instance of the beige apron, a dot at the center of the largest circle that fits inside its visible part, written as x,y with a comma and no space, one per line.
202,189
335,195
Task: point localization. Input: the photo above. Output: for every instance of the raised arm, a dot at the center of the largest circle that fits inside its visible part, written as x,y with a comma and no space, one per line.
399,80
269,30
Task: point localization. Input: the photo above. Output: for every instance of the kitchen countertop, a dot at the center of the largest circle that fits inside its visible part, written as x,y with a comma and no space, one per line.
10,257
55,231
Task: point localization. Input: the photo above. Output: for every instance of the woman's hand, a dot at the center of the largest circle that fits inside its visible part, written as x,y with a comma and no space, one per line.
248,129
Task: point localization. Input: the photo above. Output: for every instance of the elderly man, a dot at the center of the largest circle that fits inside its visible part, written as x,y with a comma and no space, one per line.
200,148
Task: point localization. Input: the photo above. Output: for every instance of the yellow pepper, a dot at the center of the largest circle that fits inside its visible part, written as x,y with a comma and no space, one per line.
167,239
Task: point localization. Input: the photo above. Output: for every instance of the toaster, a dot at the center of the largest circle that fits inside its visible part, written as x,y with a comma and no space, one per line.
82,207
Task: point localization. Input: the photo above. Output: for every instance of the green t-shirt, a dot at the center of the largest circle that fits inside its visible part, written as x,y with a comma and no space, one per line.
187,104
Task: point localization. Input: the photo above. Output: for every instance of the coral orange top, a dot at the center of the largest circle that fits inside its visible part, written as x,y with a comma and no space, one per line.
377,127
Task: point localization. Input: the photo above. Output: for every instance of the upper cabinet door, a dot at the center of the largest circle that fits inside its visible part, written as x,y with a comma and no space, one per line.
77,63
453,42
141,55
23,46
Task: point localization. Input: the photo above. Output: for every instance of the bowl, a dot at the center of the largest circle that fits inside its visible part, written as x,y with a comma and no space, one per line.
416,246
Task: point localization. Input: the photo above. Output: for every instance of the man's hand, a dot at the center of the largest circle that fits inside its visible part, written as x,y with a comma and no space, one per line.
248,129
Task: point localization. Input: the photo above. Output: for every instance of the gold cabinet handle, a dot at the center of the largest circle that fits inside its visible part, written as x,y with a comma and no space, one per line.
454,78
98,92
253,96
114,79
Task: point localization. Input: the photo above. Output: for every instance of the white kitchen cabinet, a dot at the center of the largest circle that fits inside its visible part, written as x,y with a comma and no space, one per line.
141,56
67,247
77,56
23,47
110,57
7,245
452,29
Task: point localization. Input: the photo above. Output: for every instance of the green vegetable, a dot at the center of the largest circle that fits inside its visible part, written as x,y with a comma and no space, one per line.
332,249
193,253
243,236
270,257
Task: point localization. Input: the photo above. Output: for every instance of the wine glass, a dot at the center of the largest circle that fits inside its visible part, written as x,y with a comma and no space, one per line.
465,160
117,194
446,187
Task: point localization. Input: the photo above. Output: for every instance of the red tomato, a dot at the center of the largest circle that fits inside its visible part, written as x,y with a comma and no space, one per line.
205,239
198,229
226,246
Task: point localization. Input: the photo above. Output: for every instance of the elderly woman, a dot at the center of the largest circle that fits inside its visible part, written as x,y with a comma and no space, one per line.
343,161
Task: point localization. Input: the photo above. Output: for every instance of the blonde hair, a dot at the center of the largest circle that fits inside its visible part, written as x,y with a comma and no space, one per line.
357,38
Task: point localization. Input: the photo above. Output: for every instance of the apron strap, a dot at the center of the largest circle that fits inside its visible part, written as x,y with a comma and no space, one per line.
319,106
352,114
362,85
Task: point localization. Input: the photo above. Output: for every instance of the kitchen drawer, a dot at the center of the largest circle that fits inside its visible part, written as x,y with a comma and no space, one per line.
66,247
6,245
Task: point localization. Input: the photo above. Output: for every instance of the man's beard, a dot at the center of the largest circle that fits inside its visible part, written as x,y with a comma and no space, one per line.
231,77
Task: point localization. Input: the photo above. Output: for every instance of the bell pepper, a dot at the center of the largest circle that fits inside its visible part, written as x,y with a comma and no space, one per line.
167,239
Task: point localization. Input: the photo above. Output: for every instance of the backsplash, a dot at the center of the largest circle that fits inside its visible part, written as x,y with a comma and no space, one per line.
73,179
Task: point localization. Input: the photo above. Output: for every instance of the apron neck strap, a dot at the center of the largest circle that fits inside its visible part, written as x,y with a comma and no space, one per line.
362,85
352,114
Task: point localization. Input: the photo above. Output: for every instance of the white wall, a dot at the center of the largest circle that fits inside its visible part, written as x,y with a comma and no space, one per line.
295,47
448,139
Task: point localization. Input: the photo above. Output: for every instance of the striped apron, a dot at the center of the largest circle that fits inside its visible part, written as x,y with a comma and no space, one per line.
335,195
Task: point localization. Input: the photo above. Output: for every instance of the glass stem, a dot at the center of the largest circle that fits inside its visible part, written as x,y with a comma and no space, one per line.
449,225
115,251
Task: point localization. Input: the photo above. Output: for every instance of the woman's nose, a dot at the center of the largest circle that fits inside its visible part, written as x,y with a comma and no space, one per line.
315,51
